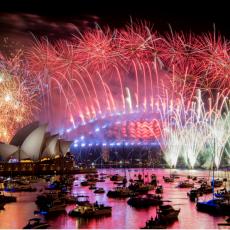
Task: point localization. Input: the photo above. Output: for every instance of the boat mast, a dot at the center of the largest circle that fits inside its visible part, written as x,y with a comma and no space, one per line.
213,175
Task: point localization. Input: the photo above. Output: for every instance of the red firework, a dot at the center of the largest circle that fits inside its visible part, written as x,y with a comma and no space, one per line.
95,49
137,41
89,69
42,57
216,61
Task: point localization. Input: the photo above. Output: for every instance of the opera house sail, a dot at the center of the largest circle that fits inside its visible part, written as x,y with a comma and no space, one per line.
36,146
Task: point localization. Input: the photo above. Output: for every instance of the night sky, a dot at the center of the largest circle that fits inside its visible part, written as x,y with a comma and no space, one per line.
56,19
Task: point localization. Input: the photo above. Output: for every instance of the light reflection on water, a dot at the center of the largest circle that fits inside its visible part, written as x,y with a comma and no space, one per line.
17,214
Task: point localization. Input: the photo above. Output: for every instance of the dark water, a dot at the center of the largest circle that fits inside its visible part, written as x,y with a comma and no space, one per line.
17,214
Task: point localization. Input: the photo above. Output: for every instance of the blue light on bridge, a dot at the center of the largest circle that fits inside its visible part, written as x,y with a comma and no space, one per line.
68,130
97,129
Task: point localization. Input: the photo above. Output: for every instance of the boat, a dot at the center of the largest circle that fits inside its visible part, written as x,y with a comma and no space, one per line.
56,206
2,206
175,175
145,201
139,179
202,180
205,188
120,192
194,193
7,199
154,224
118,183
103,174
51,207
214,207
140,187
116,177
153,179
95,175
57,185
11,185
217,183
185,184
222,193
99,190
168,179
192,177
92,210
35,223
166,213
159,189
46,198
84,183
92,179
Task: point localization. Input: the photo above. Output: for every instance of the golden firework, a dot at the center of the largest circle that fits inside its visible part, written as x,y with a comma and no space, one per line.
17,103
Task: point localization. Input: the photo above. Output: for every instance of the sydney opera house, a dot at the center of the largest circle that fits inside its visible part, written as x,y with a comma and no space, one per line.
33,150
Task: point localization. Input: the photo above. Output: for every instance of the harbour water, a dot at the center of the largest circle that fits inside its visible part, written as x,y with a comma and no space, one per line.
123,216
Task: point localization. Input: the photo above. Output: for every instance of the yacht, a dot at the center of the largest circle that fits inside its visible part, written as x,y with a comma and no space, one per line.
185,184
2,206
50,207
194,193
205,188
217,183
140,187
92,210
116,177
159,189
145,201
166,213
7,199
168,179
154,224
99,190
120,192
214,206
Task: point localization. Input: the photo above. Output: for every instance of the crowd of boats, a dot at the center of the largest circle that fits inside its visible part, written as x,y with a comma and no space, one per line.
56,195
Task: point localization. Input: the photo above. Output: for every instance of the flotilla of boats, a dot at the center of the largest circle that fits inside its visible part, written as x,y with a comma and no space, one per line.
57,195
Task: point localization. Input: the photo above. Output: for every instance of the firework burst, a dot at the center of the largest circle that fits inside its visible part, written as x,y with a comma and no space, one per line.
17,97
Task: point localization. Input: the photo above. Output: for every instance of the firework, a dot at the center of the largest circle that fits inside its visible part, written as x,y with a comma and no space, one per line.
17,98
107,75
